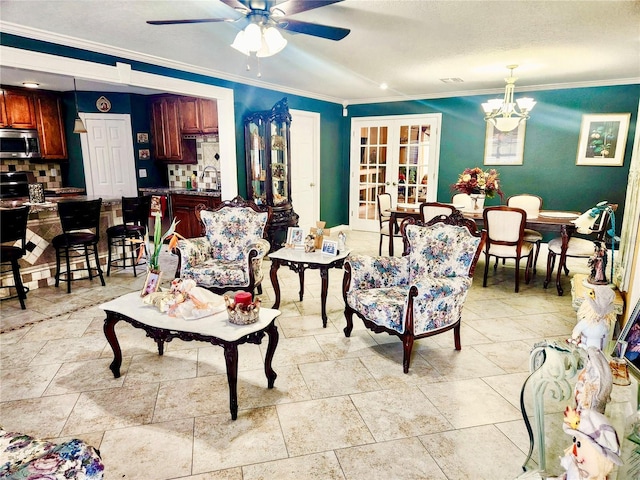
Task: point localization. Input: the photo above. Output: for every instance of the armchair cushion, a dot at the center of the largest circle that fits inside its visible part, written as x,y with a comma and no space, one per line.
231,230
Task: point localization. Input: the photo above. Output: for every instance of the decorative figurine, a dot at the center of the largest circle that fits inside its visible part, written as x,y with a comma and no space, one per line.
598,264
342,241
593,388
319,232
310,244
595,447
595,317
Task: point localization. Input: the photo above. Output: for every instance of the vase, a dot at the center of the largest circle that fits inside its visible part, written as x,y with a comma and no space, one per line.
477,202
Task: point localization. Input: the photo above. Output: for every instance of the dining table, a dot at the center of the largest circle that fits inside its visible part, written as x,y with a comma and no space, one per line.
553,221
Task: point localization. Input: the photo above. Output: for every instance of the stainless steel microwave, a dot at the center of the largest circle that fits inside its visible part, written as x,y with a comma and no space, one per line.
18,143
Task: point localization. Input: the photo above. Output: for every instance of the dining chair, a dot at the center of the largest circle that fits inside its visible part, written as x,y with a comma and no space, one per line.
128,236
579,245
384,217
430,210
505,239
13,228
80,222
462,201
532,204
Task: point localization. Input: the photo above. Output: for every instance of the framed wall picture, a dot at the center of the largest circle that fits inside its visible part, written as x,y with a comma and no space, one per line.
504,148
295,237
603,139
143,137
329,247
144,154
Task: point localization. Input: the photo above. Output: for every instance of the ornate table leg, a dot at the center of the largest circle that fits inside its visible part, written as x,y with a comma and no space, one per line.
275,265
231,359
324,275
272,331
301,277
110,333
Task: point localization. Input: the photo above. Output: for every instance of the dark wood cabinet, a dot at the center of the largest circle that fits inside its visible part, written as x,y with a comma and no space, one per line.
20,109
53,144
166,132
199,115
184,209
268,164
3,110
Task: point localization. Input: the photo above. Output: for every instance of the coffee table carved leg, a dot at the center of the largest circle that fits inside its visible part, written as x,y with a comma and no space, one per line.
301,277
272,331
273,274
231,359
110,334
324,275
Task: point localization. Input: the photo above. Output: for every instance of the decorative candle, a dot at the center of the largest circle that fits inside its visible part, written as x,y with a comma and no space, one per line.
243,298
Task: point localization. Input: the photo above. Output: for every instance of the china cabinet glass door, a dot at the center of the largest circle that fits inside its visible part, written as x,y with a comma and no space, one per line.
257,161
279,162
396,155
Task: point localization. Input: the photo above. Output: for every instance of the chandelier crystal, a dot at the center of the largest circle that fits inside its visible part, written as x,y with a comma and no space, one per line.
506,114
258,38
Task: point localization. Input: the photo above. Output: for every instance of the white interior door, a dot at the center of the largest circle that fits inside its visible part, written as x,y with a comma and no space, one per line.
305,166
397,155
107,153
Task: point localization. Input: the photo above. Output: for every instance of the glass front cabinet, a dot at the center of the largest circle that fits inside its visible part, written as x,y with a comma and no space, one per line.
268,163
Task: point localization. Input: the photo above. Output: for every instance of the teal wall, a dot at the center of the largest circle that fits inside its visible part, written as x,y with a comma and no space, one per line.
551,137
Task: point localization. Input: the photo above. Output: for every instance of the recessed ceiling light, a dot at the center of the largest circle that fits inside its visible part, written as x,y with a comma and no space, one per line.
383,86
31,84
452,80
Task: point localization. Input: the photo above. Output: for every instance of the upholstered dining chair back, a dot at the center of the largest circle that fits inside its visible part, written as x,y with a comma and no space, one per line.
462,201
505,239
429,210
531,204
384,217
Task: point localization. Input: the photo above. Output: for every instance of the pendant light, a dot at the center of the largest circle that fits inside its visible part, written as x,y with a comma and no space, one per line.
78,126
506,114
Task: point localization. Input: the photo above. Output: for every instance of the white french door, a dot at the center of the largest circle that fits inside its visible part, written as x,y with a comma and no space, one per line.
397,155
107,154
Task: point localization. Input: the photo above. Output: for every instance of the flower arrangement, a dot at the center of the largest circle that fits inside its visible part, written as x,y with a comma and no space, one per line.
158,241
477,181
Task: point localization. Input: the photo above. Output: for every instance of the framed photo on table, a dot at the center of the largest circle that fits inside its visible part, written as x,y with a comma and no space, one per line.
151,284
330,247
628,343
603,139
295,237
504,148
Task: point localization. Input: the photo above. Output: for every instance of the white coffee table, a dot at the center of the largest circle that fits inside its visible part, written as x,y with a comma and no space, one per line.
214,329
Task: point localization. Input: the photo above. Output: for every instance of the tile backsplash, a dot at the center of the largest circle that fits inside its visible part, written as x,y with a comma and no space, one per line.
48,173
208,151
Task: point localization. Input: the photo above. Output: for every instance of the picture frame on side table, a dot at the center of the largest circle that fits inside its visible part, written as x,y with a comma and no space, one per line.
151,284
603,139
504,148
628,343
295,237
329,247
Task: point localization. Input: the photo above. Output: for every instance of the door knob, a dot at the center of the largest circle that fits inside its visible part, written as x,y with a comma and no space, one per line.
312,184
394,184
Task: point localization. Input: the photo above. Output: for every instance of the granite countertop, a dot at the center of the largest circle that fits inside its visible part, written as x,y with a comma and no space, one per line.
181,191
64,190
51,203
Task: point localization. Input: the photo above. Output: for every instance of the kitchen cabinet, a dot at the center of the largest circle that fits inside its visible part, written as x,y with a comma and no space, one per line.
166,135
183,207
268,164
199,115
53,144
3,110
19,108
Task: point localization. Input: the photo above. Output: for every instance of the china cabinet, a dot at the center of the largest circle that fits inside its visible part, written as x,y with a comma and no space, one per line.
268,164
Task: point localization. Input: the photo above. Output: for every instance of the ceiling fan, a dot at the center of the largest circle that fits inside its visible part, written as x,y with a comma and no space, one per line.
274,13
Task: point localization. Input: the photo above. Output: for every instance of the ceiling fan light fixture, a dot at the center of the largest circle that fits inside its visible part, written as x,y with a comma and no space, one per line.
240,44
253,37
506,114
272,42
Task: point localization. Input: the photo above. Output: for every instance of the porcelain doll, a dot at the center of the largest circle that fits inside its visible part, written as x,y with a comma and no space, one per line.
595,382
595,317
595,449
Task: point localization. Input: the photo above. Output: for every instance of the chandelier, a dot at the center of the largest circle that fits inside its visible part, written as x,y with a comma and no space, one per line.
260,38
505,114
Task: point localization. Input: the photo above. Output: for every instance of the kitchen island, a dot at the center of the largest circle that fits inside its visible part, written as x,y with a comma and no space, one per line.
38,265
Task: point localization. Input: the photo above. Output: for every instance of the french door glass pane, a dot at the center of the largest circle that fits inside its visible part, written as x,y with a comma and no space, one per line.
373,169
413,163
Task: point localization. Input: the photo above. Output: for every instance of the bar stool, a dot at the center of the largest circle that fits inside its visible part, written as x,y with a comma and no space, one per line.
78,219
13,228
135,215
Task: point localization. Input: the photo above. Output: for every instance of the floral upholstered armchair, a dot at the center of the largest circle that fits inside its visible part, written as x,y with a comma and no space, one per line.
421,293
229,255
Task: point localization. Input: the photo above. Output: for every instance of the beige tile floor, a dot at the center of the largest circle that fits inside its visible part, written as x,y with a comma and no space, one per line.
341,407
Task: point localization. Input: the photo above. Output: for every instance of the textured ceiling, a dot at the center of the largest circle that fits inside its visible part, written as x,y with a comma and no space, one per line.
410,45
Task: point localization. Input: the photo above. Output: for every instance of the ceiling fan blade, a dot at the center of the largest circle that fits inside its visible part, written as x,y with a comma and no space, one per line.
323,31
236,4
296,6
194,20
